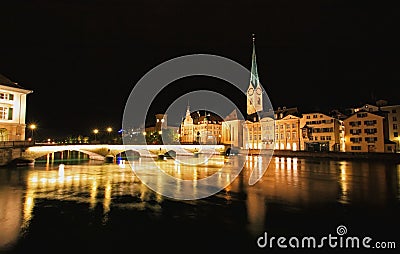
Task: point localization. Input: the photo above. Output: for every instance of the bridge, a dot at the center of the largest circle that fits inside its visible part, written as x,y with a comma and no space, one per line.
100,151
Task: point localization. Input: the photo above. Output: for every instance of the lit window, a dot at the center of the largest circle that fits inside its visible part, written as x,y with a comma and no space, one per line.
6,113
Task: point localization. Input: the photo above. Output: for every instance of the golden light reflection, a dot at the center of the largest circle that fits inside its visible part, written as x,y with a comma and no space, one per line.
343,181
93,194
228,195
28,207
107,197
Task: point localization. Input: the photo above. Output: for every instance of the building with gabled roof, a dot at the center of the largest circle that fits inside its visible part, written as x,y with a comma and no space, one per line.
321,132
364,132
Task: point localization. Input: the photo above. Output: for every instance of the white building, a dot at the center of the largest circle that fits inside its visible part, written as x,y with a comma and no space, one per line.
12,110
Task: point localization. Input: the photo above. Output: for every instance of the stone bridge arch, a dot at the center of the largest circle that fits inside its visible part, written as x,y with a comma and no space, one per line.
98,152
37,153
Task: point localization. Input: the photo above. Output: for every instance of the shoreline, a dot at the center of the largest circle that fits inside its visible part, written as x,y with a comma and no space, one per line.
390,157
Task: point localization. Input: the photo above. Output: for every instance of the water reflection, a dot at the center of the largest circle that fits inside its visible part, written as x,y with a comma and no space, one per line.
296,184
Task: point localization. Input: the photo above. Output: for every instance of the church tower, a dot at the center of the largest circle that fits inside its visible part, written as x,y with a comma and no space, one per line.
254,91
187,128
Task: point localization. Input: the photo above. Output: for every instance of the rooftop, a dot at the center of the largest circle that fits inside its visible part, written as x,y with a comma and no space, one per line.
7,82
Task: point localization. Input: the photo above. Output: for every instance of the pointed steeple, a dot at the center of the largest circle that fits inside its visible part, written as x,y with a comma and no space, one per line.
187,111
188,118
254,91
254,73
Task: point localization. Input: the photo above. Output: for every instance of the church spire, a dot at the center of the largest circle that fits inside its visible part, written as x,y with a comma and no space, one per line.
255,91
254,73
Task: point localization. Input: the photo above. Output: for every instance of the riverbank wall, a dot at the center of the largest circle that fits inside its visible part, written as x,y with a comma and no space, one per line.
392,157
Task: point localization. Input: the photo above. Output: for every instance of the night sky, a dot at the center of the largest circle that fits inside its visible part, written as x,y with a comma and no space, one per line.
82,58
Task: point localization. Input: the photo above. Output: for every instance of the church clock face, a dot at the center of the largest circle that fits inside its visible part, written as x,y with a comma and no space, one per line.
258,90
251,91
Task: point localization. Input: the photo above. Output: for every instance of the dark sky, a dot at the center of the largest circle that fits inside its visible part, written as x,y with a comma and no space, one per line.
82,58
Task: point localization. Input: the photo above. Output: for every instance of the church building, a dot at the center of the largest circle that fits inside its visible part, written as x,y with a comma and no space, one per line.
256,131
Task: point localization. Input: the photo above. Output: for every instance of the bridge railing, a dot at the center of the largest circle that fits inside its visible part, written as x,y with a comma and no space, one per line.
17,143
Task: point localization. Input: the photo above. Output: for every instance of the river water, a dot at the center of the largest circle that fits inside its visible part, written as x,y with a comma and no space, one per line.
92,206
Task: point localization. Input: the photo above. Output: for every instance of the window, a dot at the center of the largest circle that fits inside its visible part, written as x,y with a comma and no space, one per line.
394,119
294,125
371,139
355,140
355,131
393,111
316,138
355,123
315,116
361,115
294,135
371,131
395,134
6,113
322,137
356,148
288,135
328,138
370,122
6,96
394,126
308,117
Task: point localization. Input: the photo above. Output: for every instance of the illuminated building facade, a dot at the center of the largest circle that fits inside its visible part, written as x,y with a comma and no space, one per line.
201,129
391,123
364,132
287,133
187,129
321,132
12,110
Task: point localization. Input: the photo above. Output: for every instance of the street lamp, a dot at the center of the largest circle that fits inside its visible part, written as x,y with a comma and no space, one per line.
32,127
95,131
109,130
